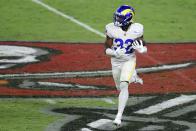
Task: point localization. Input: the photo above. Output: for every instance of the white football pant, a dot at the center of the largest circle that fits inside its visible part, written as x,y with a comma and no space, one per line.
124,72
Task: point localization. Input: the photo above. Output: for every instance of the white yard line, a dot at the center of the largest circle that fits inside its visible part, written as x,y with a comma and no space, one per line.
167,104
69,17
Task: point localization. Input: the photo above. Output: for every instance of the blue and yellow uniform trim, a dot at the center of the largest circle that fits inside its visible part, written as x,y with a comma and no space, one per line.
132,71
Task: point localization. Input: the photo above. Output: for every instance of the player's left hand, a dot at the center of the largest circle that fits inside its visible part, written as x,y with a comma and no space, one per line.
139,46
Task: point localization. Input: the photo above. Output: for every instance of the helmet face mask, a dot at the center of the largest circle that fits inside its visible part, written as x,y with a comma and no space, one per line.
123,16
118,20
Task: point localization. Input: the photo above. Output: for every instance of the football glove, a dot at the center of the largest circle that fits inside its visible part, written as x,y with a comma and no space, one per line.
116,53
139,46
120,52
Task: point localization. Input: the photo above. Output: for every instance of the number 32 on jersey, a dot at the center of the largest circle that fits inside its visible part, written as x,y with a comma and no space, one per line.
127,44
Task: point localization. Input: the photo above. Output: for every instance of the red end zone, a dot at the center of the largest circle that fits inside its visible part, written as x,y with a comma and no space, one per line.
57,58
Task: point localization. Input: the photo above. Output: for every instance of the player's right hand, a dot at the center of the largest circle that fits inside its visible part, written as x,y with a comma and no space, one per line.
120,52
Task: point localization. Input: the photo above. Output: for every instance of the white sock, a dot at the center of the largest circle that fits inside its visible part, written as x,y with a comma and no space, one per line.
122,99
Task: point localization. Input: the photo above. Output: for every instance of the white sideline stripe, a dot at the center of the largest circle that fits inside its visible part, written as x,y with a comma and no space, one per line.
98,123
167,104
90,73
69,17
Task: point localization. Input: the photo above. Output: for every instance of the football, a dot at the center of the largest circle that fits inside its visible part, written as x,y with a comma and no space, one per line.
141,41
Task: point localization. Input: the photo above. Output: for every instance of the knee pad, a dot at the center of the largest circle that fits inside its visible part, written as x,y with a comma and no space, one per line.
124,85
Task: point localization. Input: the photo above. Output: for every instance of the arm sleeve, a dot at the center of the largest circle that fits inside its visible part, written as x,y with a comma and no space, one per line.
108,31
139,29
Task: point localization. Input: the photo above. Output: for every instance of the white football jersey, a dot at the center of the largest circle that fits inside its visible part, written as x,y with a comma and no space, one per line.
124,39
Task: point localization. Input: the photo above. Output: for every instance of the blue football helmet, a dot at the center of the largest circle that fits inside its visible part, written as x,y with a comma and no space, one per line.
124,15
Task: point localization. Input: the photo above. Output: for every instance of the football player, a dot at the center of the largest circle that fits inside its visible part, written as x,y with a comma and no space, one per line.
123,37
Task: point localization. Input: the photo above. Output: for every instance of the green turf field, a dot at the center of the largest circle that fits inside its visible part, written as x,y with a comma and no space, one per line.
163,20
24,115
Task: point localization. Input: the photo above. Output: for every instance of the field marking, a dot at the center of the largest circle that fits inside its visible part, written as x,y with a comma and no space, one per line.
108,100
177,73
167,104
67,85
98,123
85,129
190,125
91,73
56,126
152,128
182,111
50,101
70,18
